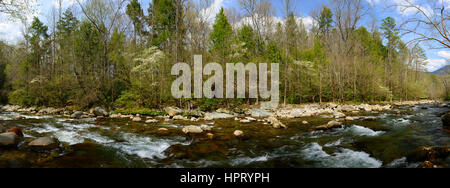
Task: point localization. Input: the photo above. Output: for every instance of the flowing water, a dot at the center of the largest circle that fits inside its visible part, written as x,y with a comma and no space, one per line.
383,143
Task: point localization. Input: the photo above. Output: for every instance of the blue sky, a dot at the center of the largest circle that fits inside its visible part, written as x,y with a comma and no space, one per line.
12,31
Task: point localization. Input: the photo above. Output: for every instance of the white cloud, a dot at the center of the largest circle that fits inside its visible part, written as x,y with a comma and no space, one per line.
209,13
435,64
444,54
65,3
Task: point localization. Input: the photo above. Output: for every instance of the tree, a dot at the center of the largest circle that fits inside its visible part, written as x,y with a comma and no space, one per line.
136,15
427,23
325,20
17,9
221,35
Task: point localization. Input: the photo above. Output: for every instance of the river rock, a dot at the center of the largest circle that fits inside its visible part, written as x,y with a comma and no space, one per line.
348,108
260,113
330,125
163,131
2,129
427,164
192,129
443,105
77,115
210,136
49,110
446,119
205,127
276,123
223,110
9,139
136,119
238,133
179,117
305,123
216,115
173,111
16,130
244,121
115,116
20,118
44,143
338,115
370,118
100,112
151,121
422,154
349,119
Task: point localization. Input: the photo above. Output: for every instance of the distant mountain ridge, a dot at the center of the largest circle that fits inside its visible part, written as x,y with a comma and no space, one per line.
443,70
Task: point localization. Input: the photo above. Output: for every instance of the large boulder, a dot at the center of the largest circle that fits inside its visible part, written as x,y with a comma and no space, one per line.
446,119
192,129
100,112
173,111
9,139
46,143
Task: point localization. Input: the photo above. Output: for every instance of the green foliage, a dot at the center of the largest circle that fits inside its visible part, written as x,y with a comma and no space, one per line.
21,97
162,18
221,34
136,14
325,20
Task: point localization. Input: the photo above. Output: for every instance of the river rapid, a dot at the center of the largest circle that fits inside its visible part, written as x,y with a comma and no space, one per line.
111,143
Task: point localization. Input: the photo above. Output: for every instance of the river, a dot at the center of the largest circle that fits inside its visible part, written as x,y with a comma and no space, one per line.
110,143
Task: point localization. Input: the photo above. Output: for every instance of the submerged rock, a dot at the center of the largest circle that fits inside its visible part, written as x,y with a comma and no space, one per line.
192,129
46,143
9,139
446,119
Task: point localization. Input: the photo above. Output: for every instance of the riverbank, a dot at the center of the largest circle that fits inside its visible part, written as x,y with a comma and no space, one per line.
288,112
369,135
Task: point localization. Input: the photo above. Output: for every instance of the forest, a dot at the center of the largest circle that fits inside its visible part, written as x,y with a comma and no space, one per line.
118,54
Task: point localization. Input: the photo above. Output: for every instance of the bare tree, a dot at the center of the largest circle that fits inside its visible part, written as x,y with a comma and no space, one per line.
427,22
18,9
